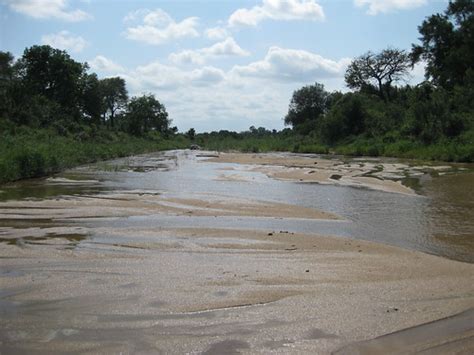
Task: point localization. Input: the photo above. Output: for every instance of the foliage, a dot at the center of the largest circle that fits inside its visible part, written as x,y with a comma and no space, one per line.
114,97
307,105
447,42
431,119
191,133
27,152
145,113
376,72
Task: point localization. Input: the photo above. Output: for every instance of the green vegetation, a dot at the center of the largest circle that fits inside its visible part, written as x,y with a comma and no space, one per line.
55,115
38,152
433,120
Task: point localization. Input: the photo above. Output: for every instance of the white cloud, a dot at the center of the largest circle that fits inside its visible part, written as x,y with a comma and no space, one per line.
65,40
157,76
157,27
206,76
226,48
293,66
208,98
216,33
384,6
47,9
103,64
417,74
278,10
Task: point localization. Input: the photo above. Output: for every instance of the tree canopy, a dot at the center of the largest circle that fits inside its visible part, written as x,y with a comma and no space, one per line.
115,96
447,44
45,87
146,113
377,71
307,105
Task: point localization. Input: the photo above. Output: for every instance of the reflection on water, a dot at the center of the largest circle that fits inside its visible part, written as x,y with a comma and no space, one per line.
440,220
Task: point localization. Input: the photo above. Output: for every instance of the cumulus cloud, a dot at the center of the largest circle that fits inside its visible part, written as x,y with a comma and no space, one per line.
285,10
157,76
47,9
103,64
65,40
293,66
216,33
157,27
206,76
208,98
384,6
226,48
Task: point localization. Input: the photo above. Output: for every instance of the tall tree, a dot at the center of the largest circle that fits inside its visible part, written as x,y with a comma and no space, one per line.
92,98
6,76
146,113
447,44
53,74
307,105
115,96
377,71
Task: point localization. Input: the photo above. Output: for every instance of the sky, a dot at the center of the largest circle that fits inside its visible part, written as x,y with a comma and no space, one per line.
218,64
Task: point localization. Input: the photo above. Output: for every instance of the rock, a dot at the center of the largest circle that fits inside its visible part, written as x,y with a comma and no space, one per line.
194,147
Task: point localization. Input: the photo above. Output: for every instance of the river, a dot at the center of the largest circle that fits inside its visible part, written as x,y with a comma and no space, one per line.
438,220
187,252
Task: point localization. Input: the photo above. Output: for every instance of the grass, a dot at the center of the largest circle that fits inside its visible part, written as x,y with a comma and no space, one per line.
33,153
459,149
28,153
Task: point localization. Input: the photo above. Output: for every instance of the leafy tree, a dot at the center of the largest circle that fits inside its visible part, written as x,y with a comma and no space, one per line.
146,113
447,44
6,66
92,98
191,134
6,77
114,95
345,118
307,106
377,72
52,73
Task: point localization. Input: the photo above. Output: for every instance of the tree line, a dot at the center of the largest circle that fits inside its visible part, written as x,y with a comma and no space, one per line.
46,88
379,106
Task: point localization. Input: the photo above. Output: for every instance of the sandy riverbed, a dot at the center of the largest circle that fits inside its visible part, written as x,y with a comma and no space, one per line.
193,290
75,277
365,173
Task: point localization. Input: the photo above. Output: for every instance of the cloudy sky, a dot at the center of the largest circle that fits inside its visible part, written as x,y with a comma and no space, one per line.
217,64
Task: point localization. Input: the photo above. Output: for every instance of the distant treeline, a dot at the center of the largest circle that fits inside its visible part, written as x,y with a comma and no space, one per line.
431,120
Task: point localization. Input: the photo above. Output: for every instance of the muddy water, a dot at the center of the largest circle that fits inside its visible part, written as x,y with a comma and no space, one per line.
438,220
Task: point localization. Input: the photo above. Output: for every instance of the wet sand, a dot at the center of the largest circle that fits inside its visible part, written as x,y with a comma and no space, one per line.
76,277
364,173
197,290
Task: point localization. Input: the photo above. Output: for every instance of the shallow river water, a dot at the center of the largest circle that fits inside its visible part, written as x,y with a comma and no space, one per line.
438,220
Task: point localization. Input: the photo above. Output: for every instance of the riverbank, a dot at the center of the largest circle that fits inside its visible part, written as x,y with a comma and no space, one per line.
459,149
33,153
158,253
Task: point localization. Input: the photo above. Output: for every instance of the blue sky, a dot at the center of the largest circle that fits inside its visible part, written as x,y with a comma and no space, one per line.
217,64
